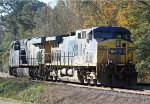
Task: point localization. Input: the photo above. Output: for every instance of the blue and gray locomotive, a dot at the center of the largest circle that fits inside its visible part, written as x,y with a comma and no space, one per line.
98,55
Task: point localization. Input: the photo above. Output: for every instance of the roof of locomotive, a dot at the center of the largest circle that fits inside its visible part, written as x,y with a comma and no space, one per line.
58,38
112,29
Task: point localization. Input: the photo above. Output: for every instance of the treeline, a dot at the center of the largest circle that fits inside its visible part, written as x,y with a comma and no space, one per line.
31,18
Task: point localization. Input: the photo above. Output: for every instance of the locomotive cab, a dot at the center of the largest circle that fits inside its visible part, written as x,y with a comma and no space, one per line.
14,54
115,58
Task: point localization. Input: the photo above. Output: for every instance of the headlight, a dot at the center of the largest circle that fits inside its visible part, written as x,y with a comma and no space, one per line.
112,50
130,61
118,42
110,61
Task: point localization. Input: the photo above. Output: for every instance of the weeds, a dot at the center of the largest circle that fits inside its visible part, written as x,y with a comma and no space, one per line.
20,89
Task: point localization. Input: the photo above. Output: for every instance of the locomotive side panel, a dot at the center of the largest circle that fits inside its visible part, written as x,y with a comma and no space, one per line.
74,59
86,48
14,54
47,47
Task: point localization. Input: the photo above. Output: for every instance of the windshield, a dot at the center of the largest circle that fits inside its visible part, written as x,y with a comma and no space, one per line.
109,35
123,36
118,36
104,35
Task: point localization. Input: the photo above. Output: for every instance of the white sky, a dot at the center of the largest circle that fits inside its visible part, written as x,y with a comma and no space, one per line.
52,3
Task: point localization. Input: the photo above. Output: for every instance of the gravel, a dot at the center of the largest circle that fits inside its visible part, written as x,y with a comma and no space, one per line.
62,94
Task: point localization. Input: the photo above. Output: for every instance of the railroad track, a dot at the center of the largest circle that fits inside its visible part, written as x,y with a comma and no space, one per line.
141,88
143,84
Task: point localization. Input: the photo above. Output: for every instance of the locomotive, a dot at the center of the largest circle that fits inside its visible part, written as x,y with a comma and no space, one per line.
98,55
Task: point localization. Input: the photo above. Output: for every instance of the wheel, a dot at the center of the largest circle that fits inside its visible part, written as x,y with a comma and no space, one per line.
55,78
15,73
10,71
31,74
88,81
51,78
47,75
95,81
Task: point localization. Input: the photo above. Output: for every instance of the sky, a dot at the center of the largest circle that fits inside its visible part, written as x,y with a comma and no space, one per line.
52,3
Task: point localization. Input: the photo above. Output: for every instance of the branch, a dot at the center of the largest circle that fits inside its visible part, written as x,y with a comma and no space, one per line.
144,2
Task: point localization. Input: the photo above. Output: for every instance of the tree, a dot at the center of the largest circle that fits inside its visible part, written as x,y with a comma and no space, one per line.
17,21
19,16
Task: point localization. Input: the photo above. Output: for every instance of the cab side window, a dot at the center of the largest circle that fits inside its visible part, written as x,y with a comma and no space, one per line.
83,34
79,35
55,45
17,46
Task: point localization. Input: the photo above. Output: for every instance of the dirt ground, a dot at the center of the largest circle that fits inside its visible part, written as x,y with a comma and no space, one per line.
11,101
61,94
5,75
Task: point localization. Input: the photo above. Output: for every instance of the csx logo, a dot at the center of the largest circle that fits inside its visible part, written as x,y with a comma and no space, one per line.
118,51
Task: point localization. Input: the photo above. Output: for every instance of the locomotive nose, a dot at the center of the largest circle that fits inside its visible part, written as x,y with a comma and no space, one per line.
116,50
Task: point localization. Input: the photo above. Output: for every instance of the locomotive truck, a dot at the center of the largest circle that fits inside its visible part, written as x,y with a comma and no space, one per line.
98,55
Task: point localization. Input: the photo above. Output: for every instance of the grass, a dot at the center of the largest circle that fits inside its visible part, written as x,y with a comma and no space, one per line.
20,89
